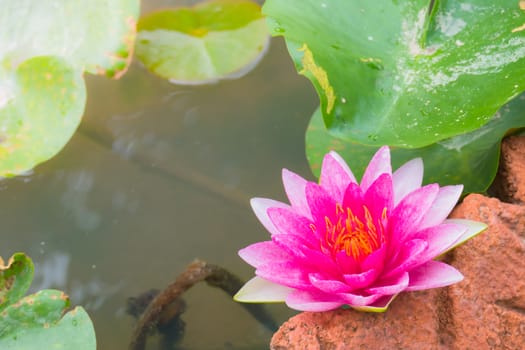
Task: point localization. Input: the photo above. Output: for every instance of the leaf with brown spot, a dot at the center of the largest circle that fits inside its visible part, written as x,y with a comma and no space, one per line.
37,321
45,108
97,36
15,279
45,48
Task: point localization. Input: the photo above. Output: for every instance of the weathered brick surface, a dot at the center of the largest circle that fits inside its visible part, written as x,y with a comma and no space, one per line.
509,185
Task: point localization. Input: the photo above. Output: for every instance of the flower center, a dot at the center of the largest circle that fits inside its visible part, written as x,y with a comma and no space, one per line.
357,237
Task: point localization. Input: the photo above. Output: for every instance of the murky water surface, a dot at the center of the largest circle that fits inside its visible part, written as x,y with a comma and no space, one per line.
156,176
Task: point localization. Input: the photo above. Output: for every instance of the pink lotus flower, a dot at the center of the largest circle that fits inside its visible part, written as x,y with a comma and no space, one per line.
343,243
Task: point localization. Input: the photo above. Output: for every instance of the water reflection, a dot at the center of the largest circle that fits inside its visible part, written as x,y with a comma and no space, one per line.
75,199
52,271
124,201
93,294
156,176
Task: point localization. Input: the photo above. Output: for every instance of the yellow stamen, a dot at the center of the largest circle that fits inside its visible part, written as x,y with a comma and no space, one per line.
357,237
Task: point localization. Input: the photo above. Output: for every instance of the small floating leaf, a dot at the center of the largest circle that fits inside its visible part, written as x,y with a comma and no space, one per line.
45,47
37,321
43,102
95,35
35,310
15,279
220,39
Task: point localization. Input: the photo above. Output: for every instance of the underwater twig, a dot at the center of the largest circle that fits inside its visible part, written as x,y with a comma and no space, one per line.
228,282
169,323
196,272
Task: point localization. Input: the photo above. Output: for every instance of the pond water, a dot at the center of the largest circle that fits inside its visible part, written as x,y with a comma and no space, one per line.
156,176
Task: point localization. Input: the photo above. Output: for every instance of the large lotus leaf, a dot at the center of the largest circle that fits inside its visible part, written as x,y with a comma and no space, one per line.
15,278
41,104
36,322
96,35
219,39
405,73
470,159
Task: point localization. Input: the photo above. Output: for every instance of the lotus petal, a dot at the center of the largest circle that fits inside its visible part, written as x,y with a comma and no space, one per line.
433,274
445,201
260,253
407,178
312,301
259,290
295,186
260,207
335,176
380,164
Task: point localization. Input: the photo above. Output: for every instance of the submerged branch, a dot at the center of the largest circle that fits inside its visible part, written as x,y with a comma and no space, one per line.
196,272
176,170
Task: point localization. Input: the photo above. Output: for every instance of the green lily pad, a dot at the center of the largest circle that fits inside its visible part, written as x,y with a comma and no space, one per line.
221,39
405,73
15,278
42,105
470,159
37,321
45,47
96,35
